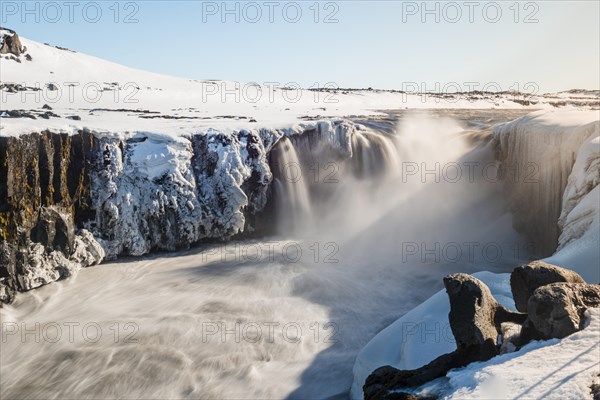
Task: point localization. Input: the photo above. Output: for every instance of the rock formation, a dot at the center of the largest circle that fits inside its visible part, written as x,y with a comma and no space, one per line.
556,310
524,280
556,299
475,319
10,43
44,203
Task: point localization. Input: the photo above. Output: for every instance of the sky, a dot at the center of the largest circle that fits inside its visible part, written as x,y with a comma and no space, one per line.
540,46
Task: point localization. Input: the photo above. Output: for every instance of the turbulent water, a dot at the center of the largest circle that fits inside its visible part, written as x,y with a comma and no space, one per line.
360,242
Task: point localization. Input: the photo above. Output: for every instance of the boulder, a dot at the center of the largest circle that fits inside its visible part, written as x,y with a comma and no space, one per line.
556,310
524,280
475,316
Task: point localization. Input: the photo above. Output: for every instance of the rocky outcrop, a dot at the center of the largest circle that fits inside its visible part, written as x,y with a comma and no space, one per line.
475,316
475,319
556,310
10,43
44,204
524,280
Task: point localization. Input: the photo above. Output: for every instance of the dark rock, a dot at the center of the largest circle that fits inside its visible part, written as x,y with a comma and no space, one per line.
524,280
595,389
28,57
17,114
11,44
44,184
46,107
475,316
475,319
51,86
556,310
74,117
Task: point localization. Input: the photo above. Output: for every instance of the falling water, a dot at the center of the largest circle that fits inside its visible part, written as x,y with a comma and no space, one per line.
291,197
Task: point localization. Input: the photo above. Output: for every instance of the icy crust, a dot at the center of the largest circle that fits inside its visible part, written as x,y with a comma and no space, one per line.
537,154
158,192
43,266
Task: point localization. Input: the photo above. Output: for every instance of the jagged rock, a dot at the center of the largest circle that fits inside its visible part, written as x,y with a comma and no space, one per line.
46,107
524,280
54,229
10,43
556,310
44,191
475,319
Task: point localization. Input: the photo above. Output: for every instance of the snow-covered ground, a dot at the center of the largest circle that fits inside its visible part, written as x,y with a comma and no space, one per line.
93,89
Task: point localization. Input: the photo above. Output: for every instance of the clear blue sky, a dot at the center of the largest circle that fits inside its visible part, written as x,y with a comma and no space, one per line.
379,44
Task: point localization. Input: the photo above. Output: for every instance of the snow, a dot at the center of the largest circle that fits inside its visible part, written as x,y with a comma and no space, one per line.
558,201
568,368
86,85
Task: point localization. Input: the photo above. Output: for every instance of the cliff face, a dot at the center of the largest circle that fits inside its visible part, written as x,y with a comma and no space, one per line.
537,155
70,201
44,200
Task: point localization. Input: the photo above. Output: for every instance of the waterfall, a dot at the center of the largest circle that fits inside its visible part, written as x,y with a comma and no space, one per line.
292,200
375,155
